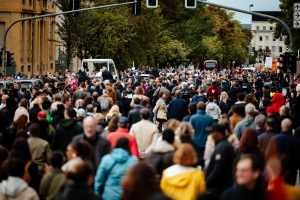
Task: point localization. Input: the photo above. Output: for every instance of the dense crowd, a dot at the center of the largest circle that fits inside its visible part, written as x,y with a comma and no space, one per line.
177,134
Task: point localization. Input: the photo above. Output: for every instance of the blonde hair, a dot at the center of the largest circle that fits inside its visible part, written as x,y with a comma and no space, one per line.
113,111
5,96
24,103
185,128
284,111
172,124
38,101
56,98
222,95
99,117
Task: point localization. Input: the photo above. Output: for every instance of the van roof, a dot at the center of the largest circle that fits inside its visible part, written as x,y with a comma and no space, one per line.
95,60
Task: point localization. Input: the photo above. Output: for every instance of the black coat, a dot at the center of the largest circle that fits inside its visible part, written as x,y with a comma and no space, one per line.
96,104
78,191
178,108
134,115
232,94
57,116
154,72
225,106
239,192
33,113
242,110
106,75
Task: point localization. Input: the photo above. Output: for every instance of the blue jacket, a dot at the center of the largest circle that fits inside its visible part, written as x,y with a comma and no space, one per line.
178,108
197,98
200,121
113,166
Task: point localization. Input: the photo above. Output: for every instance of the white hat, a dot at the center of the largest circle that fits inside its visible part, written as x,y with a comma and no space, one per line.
191,86
106,82
80,113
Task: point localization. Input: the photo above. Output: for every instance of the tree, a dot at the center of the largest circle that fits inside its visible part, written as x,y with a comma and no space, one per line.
263,53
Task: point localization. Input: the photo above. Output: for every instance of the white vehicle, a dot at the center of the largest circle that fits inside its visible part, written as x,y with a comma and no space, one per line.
95,65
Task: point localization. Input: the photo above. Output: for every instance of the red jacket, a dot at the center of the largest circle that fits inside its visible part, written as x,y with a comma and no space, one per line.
278,101
114,136
213,91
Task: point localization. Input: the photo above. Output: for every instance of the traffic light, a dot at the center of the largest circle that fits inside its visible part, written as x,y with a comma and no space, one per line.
152,3
283,62
9,58
293,62
190,4
74,5
137,8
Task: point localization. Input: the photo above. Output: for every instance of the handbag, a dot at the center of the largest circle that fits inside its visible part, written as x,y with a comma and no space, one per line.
101,189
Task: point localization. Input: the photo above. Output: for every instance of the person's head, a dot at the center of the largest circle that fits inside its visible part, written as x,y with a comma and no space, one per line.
185,155
70,113
46,105
145,114
15,167
95,95
123,123
249,110
217,131
172,124
240,96
201,105
201,92
140,182
162,95
24,103
105,91
82,173
90,127
82,85
266,102
249,141
56,98
123,143
286,125
128,88
210,99
192,108
260,121
20,123
34,130
285,111
139,91
57,159
249,99
183,85
80,114
17,86
80,149
185,130
99,117
90,108
178,93
3,154
67,101
79,103
20,149
168,135
223,96
113,124
38,102
270,111
270,124
137,101
277,166
247,171
22,91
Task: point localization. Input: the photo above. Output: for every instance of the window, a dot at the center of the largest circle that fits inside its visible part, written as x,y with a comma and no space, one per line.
23,2
37,68
264,28
260,60
260,47
51,66
274,39
260,38
30,2
273,49
267,47
29,68
280,39
22,68
267,38
257,28
271,28
280,49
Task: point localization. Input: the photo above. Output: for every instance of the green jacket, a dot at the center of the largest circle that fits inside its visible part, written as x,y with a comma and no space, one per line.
52,184
40,152
65,131
206,85
49,117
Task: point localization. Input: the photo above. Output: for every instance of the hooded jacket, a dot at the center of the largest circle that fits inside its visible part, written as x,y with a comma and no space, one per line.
247,122
113,166
213,91
206,85
111,93
213,110
180,182
232,94
197,98
278,101
17,189
65,131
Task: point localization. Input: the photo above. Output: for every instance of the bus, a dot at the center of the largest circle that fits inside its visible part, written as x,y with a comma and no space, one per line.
211,65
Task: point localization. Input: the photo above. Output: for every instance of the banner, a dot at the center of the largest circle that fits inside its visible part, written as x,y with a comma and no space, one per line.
268,62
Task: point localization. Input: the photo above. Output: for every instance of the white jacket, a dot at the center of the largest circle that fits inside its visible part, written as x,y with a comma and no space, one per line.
213,110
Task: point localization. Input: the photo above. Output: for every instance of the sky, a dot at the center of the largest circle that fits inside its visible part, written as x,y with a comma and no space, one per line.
258,5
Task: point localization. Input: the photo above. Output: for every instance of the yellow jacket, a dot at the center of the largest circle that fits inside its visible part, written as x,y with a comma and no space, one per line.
182,183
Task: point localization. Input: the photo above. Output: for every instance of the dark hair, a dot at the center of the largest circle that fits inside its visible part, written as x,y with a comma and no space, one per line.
20,123
15,167
87,101
235,109
81,173
161,94
271,123
56,159
256,165
60,107
66,98
164,84
145,112
240,96
139,182
34,129
22,133
46,104
144,103
83,148
3,155
249,99
168,135
193,108
123,143
137,101
266,102
201,105
249,141
82,84
113,124
71,112
20,149
23,89
210,99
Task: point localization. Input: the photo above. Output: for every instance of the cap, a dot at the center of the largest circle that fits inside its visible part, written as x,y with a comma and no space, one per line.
80,113
191,86
216,128
123,120
270,109
106,82
42,114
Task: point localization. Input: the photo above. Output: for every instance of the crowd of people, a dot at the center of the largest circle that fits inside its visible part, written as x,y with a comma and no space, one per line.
177,134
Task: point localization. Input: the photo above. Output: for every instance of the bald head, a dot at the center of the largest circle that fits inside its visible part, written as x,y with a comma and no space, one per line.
286,125
90,127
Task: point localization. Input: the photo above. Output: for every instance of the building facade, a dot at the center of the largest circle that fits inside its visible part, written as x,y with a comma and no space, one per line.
20,37
263,38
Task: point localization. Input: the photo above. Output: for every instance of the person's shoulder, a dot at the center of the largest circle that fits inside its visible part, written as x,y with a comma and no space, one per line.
229,193
78,137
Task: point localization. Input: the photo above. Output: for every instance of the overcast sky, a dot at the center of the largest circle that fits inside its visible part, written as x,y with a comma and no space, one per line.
258,5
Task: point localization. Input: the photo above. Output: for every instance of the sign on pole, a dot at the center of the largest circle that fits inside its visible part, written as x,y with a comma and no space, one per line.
296,22
268,62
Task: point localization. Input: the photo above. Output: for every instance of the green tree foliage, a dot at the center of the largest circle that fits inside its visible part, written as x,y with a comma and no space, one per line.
286,7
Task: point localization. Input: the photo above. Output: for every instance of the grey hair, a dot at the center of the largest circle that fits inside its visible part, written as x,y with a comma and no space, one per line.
89,108
250,108
183,84
260,120
284,111
105,91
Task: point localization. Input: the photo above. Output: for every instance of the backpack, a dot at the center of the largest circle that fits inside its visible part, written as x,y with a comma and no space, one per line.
104,103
